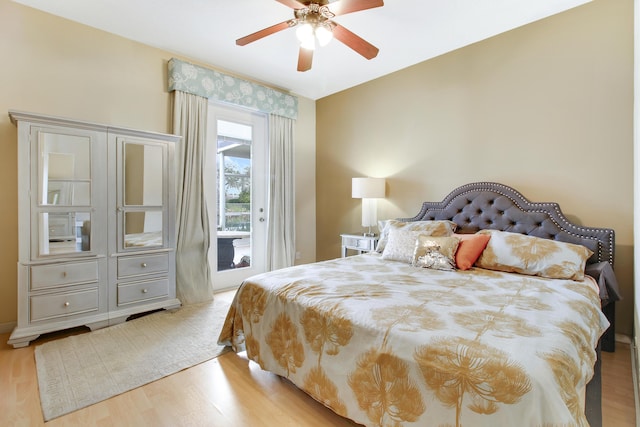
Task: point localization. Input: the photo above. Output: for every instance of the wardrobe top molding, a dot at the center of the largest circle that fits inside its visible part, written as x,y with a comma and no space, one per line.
46,119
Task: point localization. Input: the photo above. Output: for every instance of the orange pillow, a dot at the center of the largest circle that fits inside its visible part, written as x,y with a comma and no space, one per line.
470,249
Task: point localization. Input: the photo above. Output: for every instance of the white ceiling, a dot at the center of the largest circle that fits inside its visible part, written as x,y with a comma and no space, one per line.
406,32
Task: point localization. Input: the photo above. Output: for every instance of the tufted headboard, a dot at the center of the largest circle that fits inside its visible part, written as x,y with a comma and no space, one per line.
489,205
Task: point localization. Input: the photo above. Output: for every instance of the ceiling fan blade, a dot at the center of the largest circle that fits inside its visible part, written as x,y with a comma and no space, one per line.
304,59
265,32
293,4
342,7
355,42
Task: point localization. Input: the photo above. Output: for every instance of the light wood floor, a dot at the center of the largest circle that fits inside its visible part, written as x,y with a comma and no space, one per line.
618,401
231,391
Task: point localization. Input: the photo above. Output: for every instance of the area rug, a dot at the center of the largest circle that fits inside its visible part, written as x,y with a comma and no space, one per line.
80,370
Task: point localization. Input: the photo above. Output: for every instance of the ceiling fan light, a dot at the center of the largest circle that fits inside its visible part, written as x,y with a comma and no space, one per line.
309,43
324,35
304,32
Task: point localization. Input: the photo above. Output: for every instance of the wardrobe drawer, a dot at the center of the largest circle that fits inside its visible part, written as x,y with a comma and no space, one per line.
146,264
45,307
129,293
53,275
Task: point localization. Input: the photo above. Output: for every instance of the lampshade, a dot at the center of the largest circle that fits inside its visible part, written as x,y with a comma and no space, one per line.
304,32
324,34
367,188
305,35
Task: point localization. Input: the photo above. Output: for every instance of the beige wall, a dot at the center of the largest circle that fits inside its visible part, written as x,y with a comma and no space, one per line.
546,108
54,66
305,135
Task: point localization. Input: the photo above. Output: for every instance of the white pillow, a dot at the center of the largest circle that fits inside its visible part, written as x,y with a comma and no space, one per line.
400,245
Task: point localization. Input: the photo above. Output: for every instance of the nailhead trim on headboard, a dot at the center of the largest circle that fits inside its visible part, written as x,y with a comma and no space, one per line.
473,207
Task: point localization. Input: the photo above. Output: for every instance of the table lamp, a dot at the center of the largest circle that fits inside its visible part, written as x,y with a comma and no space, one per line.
368,189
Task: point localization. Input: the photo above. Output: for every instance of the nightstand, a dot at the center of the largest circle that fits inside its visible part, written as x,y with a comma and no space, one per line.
358,242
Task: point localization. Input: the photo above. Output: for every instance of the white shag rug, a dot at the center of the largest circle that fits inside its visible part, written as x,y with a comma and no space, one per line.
80,370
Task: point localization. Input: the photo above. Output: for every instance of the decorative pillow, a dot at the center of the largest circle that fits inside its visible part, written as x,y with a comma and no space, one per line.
435,252
535,256
470,249
433,228
382,224
400,245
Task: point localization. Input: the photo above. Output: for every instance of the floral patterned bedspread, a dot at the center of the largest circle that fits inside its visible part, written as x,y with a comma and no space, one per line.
387,344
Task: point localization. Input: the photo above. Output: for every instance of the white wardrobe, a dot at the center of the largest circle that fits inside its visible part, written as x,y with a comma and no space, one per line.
96,224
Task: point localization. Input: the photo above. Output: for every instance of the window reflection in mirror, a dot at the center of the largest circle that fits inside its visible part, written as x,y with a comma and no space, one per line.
69,193
142,169
65,172
143,229
64,232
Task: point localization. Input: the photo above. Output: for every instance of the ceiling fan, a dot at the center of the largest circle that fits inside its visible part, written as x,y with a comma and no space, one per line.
314,21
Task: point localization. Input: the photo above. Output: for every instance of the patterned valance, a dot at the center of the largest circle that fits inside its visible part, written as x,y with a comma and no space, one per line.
212,84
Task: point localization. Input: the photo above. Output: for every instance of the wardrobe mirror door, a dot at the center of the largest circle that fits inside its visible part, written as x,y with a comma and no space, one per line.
65,169
143,178
143,229
63,232
143,195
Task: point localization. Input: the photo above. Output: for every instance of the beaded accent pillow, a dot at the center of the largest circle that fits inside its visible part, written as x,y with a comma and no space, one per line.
435,252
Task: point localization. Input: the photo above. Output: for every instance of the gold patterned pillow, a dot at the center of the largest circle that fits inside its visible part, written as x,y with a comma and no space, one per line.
432,228
435,252
535,256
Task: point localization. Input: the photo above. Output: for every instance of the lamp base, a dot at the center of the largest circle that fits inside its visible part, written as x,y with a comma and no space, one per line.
369,233
369,216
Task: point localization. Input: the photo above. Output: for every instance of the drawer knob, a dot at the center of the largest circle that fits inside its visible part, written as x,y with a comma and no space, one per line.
64,274
144,265
67,304
145,290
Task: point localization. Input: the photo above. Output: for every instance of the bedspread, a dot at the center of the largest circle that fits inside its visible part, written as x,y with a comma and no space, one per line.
387,344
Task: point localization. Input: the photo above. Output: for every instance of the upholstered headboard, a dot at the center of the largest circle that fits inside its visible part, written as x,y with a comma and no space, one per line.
489,205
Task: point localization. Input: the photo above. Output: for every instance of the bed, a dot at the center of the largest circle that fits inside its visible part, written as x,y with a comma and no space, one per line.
403,337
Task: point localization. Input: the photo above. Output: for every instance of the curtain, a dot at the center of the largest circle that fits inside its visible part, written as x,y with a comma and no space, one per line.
281,227
193,277
192,87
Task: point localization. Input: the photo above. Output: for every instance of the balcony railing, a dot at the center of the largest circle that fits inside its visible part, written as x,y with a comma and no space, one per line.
237,217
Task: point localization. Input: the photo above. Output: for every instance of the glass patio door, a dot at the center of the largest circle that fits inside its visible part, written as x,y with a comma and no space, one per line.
236,192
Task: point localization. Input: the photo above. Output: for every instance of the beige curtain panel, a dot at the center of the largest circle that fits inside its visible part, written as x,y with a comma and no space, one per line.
281,228
193,275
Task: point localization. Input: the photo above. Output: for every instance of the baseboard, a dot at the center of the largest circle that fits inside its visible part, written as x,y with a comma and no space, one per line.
7,327
623,338
226,289
635,376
